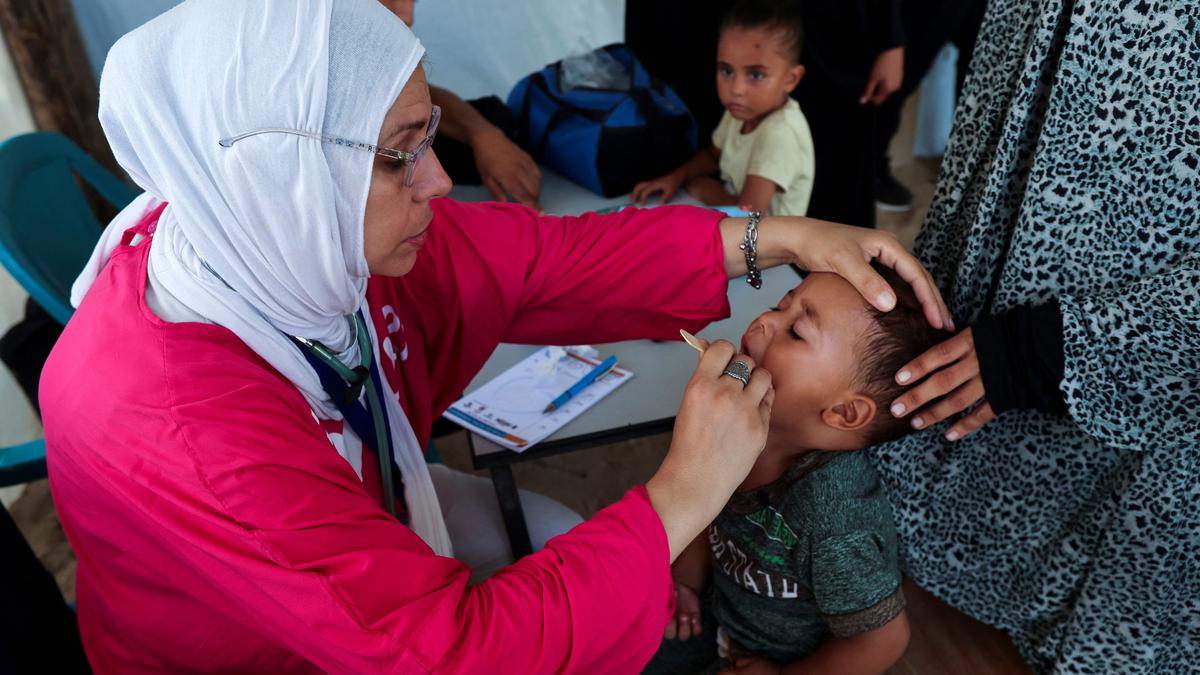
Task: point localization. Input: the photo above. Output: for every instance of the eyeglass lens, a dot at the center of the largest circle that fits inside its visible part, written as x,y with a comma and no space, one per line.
419,153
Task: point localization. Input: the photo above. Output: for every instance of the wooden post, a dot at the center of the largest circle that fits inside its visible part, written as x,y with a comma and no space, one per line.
48,55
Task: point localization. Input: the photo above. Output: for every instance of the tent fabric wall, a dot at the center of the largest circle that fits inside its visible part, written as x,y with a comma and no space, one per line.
482,47
474,47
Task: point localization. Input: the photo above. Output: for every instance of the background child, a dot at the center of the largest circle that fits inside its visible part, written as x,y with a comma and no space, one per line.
803,559
762,146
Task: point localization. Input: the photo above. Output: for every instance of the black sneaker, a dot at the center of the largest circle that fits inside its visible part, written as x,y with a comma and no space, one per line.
890,195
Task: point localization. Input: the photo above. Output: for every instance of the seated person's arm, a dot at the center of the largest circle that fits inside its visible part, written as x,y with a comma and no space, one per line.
704,163
505,168
756,194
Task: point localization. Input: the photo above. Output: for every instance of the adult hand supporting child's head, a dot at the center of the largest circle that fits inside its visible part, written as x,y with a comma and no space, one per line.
948,375
847,251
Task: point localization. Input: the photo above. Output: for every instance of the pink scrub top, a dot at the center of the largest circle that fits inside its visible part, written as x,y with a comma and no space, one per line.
217,529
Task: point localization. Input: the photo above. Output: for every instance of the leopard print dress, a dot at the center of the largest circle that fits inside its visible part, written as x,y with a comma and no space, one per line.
1074,173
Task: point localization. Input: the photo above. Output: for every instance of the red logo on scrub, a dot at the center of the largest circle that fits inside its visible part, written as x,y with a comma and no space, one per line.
394,346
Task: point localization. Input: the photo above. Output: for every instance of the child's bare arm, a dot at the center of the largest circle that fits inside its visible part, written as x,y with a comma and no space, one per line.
710,191
757,193
690,571
867,653
705,162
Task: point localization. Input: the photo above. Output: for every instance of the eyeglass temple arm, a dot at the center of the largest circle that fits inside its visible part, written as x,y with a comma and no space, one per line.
228,142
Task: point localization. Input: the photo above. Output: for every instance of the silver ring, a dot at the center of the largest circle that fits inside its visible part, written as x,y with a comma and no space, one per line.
738,370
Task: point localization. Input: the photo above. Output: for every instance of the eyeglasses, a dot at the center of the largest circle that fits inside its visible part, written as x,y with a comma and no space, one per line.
410,159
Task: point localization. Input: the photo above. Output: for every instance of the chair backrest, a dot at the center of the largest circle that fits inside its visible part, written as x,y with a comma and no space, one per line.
22,463
47,229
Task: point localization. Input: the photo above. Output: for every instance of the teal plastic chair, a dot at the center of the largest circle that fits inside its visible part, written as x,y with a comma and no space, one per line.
22,463
47,233
47,229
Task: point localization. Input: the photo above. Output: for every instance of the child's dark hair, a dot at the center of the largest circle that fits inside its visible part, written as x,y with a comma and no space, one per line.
896,337
781,16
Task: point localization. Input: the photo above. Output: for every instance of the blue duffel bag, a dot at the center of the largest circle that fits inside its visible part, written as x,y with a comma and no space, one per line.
605,139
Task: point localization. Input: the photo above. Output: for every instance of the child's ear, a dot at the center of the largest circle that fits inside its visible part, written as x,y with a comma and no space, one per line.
852,414
795,74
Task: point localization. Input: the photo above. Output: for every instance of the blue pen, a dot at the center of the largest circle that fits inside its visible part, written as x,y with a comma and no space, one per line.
595,374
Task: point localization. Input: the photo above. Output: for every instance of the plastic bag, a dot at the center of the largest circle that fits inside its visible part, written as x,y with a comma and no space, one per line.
595,70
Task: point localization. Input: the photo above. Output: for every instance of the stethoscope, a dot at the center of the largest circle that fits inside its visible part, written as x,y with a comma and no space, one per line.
353,380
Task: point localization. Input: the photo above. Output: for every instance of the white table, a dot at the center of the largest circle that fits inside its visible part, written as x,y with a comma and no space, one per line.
646,404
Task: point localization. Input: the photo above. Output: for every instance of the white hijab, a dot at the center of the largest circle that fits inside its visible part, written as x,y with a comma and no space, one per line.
278,217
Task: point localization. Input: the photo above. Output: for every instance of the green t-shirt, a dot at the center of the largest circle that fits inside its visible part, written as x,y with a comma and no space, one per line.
810,555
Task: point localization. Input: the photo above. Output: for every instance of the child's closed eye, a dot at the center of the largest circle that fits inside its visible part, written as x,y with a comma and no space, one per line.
791,329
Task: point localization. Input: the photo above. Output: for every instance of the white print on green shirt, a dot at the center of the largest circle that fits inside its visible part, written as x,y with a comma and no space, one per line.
745,571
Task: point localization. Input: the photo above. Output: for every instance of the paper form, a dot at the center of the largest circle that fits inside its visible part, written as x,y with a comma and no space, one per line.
508,409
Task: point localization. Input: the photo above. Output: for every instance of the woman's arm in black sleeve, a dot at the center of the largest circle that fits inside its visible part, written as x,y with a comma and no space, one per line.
1021,358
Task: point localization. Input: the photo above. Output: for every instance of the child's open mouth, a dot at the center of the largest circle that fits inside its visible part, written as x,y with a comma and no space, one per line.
750,346
755,340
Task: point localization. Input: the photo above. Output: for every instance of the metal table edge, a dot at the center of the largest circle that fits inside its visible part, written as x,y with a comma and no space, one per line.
581,442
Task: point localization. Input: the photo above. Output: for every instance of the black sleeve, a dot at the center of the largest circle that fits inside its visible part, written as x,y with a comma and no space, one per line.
887,27
1021,358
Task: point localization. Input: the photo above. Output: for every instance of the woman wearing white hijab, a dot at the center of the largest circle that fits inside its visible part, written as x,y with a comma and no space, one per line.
258,330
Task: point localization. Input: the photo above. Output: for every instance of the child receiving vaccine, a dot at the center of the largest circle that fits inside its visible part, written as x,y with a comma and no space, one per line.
762,148
799,572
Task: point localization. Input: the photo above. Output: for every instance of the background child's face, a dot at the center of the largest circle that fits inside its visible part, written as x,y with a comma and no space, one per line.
810,344
754,76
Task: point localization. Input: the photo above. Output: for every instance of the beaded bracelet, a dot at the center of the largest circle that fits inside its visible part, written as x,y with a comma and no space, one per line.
749,246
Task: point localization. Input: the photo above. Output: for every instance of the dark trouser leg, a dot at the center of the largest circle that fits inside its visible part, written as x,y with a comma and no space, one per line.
38,632
965,36
26,346
843,133
928,26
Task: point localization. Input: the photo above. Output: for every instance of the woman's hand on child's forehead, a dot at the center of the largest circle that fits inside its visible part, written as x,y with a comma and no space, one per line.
849,252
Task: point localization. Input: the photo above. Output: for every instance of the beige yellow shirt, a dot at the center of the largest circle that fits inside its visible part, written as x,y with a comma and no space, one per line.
780,149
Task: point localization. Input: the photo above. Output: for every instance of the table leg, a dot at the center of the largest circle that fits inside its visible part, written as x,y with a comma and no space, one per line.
511,511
